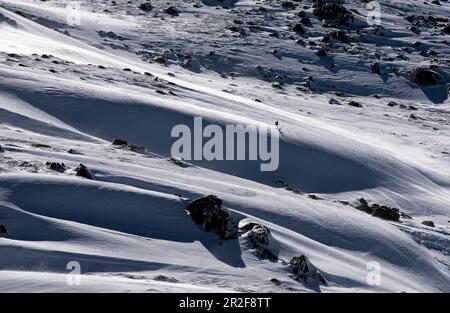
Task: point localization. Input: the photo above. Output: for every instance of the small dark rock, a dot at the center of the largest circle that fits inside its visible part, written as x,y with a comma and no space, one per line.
55,166
306,271
355,104
322,53
376,68
3,229
173,11
339,35
428,223
146,7
446,29
120,142
178,162
40,145
298,28
83,171
275,281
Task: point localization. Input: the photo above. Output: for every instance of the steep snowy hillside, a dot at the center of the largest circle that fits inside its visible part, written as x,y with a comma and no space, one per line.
363,116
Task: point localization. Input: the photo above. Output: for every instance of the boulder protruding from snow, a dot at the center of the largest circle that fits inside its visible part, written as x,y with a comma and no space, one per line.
1,149
3,229
55,166
258,235
83,171
425,77
207,212
305,271
120,142
428,223
380,211
146,6
172,11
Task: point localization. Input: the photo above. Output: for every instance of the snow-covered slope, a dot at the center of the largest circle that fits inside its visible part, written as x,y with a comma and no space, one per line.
67,90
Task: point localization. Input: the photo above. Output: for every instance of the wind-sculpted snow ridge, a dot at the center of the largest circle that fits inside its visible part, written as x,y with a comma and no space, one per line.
86,174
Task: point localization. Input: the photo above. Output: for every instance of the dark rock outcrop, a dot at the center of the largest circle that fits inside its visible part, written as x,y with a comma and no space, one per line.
55,166
298,28
120,142
146,6
376,68
321,53
428,223
379,211
83,171
207,212
424,76
305,271
173,11
258,235
3,229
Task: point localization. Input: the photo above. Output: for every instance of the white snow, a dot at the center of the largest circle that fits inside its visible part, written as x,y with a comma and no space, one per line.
128,226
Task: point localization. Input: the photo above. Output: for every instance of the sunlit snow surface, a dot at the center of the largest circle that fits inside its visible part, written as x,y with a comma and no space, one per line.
128,228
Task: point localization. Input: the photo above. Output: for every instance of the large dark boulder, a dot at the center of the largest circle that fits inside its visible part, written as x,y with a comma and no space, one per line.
207,212
376,210
425,77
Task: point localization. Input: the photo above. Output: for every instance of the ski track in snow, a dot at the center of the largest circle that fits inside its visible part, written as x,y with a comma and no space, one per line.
76,87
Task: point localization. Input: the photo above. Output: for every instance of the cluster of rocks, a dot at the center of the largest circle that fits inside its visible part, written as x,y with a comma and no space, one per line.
380,211
207,212
258,236
55,166
334,13
124,144
110,34
148,7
